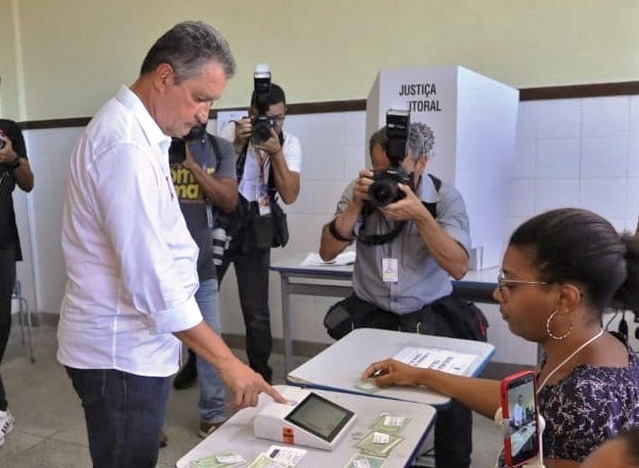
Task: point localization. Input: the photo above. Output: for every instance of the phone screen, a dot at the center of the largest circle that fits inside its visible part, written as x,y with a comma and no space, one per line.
519,408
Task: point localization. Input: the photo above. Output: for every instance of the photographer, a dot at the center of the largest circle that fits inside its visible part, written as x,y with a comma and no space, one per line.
397,279
14,170
203,173
269,163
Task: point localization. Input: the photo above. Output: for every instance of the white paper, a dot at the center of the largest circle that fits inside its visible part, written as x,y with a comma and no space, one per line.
224,117
289,456
345,258
380,438
434,358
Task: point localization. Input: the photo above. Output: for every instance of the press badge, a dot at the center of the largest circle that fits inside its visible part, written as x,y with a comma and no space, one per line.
263,199
390,271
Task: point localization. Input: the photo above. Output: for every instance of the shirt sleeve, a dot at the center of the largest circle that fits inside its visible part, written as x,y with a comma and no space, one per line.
131,197
345,199
452,215
293,153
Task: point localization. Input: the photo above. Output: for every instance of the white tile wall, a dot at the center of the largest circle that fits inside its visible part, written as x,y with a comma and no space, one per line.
572,152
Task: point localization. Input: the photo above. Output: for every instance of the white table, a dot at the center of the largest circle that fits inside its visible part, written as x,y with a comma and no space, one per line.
237,433
339,366
335,281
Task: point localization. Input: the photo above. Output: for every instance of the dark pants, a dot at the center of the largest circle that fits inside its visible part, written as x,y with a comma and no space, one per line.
7,280
252,270
124,414
454,424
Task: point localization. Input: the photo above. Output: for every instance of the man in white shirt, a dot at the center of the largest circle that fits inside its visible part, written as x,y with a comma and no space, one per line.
268,167
131,263
518,412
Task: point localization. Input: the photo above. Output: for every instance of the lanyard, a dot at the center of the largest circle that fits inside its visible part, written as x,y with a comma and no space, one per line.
261,157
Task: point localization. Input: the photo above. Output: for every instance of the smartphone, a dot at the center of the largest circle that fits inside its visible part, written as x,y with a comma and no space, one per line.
519,411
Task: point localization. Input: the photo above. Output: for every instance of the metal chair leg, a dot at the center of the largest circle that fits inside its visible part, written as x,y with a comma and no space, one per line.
23,307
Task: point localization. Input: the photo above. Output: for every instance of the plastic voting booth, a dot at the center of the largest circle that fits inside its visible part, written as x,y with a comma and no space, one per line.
473,119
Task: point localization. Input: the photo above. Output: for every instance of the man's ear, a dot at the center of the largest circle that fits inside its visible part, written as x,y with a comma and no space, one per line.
420,164
163,75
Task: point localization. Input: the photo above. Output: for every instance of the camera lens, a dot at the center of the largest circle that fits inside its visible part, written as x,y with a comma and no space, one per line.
220,244
383,191
261,130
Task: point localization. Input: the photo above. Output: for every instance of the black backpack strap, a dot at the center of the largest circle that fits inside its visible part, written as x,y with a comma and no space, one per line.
216,150
239,164
432,207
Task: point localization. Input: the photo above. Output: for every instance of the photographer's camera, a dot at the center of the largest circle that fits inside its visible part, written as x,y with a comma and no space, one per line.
262,123
384,189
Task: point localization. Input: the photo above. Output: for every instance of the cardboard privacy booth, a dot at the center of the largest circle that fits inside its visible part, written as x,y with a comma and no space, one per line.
474,120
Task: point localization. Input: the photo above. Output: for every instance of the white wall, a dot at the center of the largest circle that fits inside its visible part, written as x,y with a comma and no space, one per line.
578,152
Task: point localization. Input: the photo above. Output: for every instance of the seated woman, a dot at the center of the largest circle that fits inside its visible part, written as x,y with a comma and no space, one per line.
622,451
559,272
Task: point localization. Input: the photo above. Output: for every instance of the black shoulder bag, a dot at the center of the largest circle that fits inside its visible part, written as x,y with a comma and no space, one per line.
247,227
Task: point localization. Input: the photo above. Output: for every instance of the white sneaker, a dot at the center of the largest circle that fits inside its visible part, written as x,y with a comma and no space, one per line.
6,425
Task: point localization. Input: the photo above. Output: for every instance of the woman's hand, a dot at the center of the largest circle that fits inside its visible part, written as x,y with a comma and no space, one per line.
391,372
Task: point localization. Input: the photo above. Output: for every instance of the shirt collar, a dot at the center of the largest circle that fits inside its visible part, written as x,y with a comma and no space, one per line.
151,130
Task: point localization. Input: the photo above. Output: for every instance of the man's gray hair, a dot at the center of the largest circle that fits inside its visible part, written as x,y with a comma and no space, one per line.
187,47
420,140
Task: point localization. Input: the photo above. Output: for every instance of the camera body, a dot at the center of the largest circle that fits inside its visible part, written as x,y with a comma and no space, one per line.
177,150
262,124
384,190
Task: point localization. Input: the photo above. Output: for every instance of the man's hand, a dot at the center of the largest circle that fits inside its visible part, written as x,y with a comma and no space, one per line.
243,129
246,384
362,186
189,160
391,372
409,207
7,155
272,146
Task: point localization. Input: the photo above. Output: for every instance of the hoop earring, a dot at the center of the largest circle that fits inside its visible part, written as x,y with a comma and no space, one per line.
551,317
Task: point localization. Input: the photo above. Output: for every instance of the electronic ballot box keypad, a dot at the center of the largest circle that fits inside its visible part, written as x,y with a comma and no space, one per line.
309,420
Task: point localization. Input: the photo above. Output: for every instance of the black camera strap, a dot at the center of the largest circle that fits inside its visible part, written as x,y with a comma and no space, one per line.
380,239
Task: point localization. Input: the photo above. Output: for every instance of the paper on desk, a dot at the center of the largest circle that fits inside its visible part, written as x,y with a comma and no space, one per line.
345,258
433,358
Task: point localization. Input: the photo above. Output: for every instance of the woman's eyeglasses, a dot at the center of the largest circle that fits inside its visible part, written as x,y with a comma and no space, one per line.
503,282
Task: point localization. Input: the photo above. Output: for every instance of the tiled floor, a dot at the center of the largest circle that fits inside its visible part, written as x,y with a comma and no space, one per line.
49,430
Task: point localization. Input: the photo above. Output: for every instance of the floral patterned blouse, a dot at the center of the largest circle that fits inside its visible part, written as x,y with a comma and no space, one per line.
587,407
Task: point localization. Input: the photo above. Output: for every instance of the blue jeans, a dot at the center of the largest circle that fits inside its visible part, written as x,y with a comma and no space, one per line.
211,406
124,414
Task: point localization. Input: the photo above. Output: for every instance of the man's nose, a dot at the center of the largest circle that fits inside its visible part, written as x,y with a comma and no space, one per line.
203,115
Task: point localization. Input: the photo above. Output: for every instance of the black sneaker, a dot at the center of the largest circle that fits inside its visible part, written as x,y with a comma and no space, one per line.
187,376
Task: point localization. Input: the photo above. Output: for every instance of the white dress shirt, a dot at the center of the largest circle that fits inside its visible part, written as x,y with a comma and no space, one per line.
131,263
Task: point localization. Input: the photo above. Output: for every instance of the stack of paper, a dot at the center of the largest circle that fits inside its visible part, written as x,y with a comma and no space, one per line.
345,258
